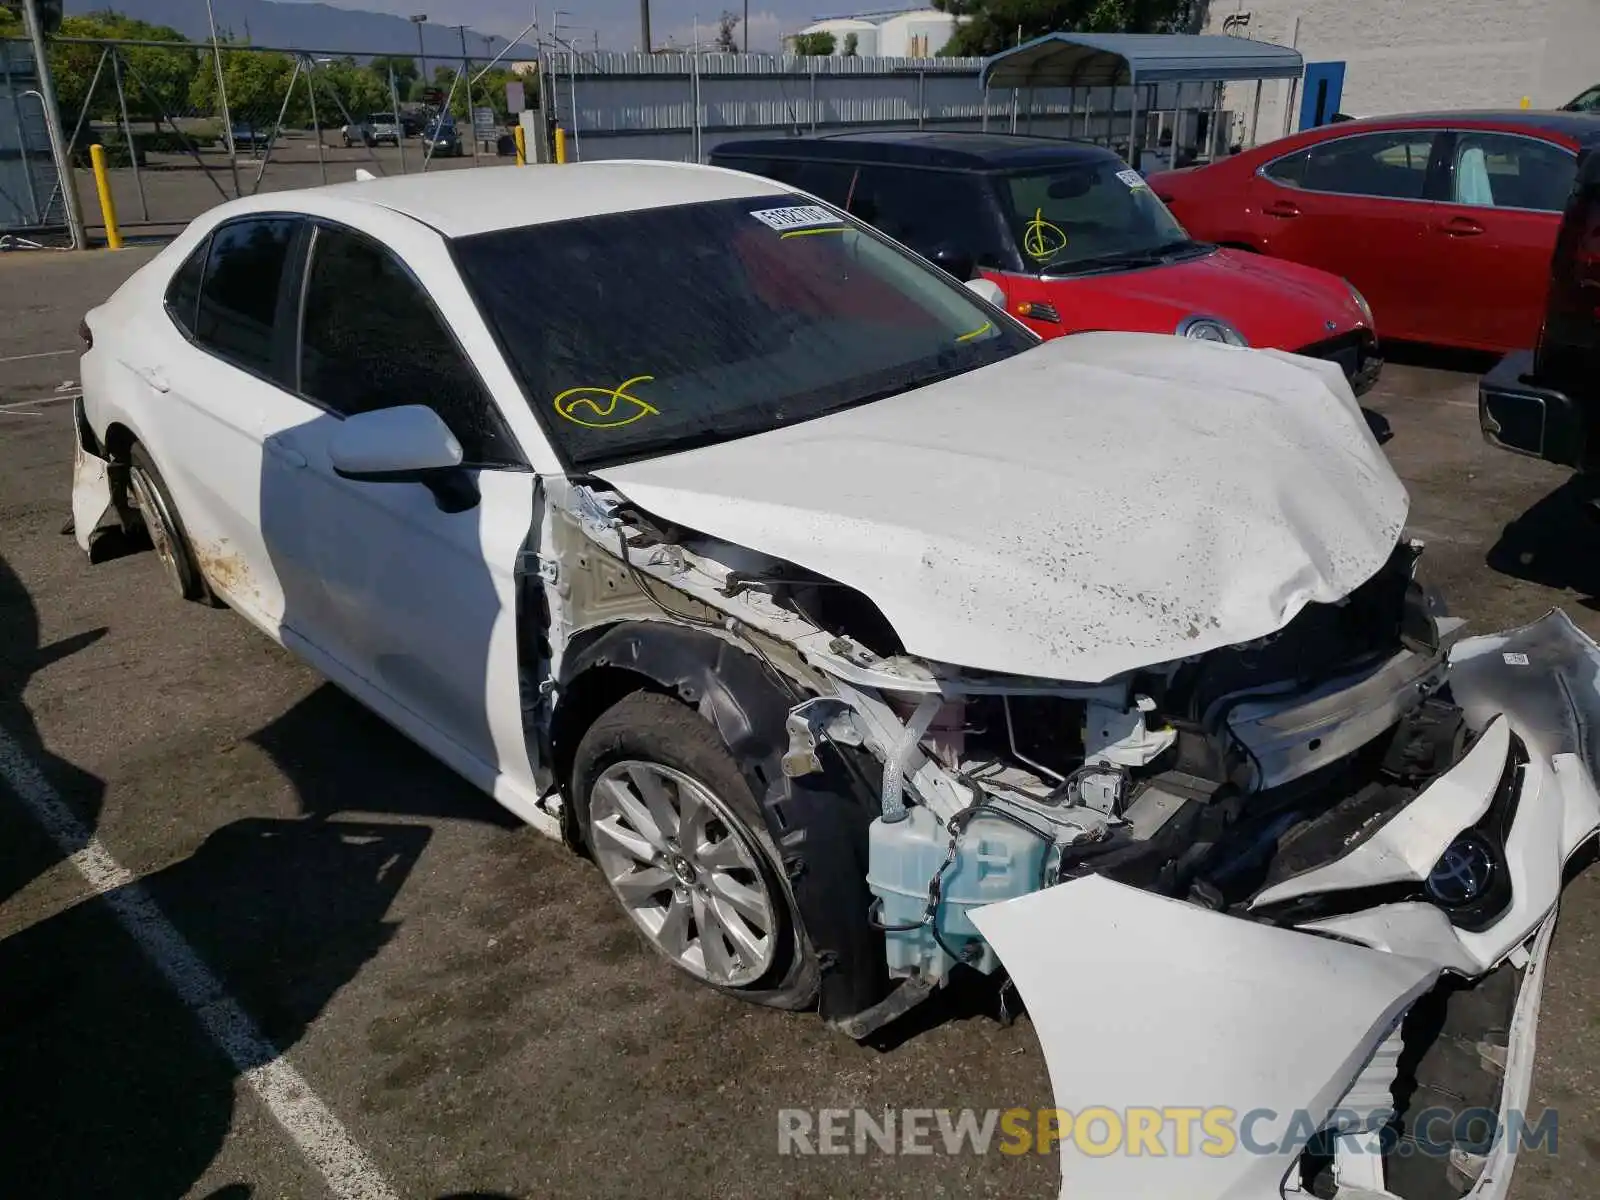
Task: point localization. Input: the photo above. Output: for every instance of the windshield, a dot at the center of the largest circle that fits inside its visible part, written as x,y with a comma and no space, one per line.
1588,102
648,332
1087,214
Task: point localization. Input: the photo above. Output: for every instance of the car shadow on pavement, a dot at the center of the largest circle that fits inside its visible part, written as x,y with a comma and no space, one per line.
1554,543
125,1094
28,849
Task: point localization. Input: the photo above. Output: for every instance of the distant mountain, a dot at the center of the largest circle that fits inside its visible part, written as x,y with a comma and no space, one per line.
308,27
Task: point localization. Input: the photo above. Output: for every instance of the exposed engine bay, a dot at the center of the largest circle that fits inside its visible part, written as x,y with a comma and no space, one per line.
1332,784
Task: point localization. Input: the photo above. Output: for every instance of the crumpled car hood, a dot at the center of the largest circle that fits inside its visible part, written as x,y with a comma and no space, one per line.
1099,503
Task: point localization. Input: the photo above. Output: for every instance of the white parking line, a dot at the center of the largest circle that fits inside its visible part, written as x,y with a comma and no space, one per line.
20,407
348,1172
41,354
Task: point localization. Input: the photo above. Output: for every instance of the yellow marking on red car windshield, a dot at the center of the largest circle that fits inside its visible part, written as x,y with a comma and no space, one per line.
1041,239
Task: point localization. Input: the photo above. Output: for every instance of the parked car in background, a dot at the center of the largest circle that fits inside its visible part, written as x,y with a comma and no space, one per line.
441,139
1072,236
376,129
1445,221
251,139
1545,402
1588,101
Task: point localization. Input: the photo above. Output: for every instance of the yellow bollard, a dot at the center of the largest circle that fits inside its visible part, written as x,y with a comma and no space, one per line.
1525,102
108,207
520,136
561,144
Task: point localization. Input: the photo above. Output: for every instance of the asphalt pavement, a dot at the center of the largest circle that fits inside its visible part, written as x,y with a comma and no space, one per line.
456,994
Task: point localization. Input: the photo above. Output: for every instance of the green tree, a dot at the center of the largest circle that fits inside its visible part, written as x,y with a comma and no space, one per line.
344,86
257,82
818,45
403,66
990,26
155,79
725,42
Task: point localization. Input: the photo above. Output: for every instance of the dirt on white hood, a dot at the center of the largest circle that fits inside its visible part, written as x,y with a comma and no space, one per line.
1100,503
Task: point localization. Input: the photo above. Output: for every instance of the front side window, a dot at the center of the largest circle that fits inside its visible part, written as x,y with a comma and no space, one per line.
647,332
372,339
1392,165
1088,215
239,293
1498,170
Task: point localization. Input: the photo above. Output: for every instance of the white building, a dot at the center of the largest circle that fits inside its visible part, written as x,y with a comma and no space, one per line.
919,33
1417,55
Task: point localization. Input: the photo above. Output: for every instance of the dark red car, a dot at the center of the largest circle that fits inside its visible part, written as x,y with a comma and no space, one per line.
1445,221
1072,235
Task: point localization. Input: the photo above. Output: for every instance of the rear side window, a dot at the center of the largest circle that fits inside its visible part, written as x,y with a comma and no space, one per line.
1501,170
183,293
372,339
1392,165
240,288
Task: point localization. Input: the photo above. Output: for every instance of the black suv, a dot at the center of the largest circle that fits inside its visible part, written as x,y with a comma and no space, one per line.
1545,402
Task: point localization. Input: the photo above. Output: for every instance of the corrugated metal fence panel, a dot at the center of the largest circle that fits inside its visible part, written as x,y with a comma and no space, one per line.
30,195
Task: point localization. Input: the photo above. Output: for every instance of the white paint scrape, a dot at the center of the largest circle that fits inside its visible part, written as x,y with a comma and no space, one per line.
321,1137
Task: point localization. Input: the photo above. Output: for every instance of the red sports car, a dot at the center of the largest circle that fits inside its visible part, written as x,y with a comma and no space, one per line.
1075,239
1445,221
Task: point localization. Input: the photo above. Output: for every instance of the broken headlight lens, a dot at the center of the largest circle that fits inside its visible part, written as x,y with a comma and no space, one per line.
1210,329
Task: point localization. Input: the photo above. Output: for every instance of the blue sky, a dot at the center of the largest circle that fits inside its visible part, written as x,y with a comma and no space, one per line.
618,20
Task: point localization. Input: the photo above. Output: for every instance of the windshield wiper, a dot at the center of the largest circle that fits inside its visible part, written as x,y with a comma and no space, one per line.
1117,258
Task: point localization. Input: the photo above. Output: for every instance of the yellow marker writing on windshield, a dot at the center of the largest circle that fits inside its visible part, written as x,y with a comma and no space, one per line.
808,232
978,332
1041,239
607,408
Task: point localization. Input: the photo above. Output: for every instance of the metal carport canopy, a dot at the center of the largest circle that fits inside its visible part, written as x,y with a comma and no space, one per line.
1119,59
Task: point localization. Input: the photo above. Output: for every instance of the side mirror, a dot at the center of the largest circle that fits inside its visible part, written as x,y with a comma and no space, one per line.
408,444
954,260
988,289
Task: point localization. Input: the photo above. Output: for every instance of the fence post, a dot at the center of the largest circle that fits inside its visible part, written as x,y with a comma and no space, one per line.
316,125
22,145
52,122
127,132
283,109
466,73
222,98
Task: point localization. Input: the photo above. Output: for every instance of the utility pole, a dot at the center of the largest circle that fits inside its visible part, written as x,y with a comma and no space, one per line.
422,53
745,24
52,124
644,25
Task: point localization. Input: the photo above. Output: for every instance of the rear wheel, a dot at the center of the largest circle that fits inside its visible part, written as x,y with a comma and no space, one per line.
149,494
673,827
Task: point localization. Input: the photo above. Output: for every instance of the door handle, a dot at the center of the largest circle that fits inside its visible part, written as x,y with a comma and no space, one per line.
154,378
1282,208
1462,227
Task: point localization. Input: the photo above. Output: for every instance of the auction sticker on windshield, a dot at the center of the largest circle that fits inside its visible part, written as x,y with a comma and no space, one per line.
795,218
1132,178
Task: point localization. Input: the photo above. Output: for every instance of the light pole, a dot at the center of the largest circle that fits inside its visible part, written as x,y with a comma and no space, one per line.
644,26
422,53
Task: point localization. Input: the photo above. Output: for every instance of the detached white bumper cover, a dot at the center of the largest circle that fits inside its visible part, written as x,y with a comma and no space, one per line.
1145,1002
91,481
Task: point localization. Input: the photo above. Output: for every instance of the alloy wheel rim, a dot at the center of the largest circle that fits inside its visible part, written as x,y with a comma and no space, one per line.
685,873
155,523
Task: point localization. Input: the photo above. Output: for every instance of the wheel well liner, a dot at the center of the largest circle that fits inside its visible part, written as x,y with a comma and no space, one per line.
818,822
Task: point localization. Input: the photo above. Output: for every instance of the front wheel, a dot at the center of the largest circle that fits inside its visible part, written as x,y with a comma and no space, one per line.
676,832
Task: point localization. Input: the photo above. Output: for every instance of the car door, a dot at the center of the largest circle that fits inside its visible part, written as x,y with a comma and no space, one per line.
214,368
417,604
1357,206
1491,240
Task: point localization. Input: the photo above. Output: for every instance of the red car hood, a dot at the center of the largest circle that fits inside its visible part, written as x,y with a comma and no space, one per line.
1272,303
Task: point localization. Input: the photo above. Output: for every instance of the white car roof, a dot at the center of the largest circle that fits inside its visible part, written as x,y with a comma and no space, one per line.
465,202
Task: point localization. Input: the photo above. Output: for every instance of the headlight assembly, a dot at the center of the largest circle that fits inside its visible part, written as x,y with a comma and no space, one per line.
1210,329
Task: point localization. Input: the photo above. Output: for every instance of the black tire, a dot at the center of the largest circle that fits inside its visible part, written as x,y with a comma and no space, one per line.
159,514
650,727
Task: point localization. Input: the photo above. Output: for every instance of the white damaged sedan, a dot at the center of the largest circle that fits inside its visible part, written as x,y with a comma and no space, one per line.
861,639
